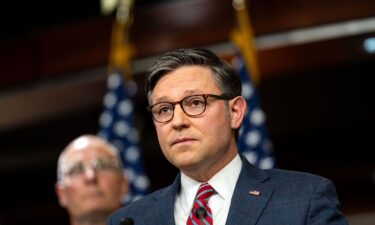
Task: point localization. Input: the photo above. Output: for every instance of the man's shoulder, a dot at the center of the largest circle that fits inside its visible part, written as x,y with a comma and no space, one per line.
297,181
146,200
293,176
280,177
141,208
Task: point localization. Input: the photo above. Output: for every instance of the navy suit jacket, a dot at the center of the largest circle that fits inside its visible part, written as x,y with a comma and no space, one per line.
261,197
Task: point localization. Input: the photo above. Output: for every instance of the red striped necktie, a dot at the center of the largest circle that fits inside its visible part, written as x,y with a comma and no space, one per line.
201,213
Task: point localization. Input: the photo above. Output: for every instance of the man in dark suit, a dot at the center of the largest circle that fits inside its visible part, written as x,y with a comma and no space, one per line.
196,104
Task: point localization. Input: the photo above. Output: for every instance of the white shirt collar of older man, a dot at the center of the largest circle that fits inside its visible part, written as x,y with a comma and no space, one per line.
223,182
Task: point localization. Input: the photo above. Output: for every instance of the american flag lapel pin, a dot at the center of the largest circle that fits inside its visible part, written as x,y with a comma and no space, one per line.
255,193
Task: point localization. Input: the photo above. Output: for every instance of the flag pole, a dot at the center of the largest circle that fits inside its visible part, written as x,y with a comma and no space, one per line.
243,37
121,49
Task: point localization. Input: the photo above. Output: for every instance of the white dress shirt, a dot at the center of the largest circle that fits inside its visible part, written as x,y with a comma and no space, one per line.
223,182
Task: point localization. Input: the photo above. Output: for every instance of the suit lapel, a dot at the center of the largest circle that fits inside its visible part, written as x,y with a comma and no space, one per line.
164,206
250,196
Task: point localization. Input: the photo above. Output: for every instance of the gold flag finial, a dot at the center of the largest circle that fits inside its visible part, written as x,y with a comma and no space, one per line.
121,49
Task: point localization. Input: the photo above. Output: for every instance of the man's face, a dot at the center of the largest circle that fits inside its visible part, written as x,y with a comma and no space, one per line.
197,145
90,191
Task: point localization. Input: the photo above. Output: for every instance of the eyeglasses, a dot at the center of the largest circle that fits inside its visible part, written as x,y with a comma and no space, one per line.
193,105
97,165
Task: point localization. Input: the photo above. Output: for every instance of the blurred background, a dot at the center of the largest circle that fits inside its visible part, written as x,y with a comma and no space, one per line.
316,60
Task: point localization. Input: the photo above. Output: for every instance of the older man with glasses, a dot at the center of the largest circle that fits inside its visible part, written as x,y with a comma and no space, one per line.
90,183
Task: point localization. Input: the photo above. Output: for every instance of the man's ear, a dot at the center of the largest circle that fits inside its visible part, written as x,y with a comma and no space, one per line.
60,192
124,185
237,109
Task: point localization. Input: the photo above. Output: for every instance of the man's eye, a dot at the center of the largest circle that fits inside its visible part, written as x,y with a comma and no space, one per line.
103,165
164,109
77,169
195,102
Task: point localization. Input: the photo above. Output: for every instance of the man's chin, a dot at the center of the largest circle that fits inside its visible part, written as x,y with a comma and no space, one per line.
94,203
94,214
188,165
97,208
184,161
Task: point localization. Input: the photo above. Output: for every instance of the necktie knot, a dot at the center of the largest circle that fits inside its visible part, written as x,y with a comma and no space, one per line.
205,191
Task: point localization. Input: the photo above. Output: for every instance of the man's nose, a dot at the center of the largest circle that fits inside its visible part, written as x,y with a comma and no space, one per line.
179,118
90,173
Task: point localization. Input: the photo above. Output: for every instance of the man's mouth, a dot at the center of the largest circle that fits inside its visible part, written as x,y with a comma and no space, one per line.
182,141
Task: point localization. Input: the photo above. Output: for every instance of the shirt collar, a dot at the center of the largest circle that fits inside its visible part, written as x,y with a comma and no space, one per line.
223,182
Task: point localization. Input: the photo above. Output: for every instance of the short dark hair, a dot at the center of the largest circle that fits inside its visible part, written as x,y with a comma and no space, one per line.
225,77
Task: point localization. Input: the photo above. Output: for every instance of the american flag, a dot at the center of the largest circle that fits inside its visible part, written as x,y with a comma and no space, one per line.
117,126
253,141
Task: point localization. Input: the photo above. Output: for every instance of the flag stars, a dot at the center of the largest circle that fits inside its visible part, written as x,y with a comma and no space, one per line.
114,81
253,141
251,156
132,154
116,123
121,128
142,182
257,117
110,100
253,138
247,90
105,119
125,107
266,163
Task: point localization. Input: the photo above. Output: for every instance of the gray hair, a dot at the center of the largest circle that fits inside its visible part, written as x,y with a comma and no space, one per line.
224,76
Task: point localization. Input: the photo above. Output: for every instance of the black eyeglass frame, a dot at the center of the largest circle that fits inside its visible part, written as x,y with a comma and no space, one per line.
205,96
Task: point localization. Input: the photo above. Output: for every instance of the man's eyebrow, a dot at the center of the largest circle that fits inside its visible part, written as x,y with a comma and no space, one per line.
185,94
161,99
